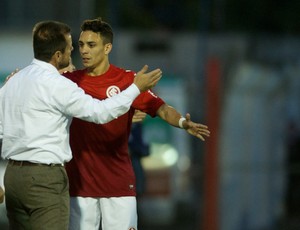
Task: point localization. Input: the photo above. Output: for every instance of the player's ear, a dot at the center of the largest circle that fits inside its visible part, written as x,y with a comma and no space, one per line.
107,48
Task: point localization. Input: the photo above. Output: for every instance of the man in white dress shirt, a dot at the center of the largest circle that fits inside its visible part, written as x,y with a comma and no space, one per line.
36,109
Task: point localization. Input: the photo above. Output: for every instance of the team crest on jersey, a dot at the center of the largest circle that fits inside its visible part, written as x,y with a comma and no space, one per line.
112,90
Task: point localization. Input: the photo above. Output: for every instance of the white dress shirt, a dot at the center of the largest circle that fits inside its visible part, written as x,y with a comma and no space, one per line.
36,108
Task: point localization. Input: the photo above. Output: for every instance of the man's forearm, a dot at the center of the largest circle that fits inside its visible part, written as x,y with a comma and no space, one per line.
169,114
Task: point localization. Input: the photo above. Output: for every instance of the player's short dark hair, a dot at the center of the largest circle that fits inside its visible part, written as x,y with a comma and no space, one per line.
99,26
49,37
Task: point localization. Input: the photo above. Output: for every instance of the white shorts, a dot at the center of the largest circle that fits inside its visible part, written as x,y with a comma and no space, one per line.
117,213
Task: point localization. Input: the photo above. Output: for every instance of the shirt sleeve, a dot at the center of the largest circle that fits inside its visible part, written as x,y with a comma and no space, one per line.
72,101
1,130
148,102
1,117
1,136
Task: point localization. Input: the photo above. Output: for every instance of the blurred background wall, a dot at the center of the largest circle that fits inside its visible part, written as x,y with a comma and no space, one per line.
233,65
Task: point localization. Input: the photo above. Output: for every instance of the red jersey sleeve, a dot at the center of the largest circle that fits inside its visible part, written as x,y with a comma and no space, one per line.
148,102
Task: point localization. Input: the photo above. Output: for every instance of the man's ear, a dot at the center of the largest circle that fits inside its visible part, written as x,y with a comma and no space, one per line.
56,58
107,48
58,55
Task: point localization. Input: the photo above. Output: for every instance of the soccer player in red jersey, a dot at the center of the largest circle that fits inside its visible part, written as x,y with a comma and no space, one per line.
102,180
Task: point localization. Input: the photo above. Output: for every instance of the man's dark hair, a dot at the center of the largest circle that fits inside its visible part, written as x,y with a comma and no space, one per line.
99,26
49,37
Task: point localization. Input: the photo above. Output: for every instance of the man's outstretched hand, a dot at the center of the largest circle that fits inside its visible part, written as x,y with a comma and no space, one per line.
196,129
145,81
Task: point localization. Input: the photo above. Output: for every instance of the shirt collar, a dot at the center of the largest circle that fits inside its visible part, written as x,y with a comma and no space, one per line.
45,65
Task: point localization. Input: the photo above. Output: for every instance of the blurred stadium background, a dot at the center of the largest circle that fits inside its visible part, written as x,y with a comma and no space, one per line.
235,66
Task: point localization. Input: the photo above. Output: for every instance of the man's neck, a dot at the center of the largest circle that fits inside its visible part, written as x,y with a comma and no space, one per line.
99,70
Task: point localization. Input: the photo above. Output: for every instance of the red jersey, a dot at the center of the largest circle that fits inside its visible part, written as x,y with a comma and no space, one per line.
101,165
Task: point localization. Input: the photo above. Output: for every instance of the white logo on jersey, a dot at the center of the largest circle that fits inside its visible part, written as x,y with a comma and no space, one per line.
150,92
112,90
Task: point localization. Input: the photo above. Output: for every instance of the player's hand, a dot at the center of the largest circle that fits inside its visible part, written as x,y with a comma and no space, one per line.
1,195
198,130
145,81
10,75
138,116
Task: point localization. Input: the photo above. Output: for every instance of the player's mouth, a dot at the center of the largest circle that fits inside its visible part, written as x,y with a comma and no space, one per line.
85,60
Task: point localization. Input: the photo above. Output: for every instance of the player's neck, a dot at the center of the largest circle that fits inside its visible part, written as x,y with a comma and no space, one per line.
99,70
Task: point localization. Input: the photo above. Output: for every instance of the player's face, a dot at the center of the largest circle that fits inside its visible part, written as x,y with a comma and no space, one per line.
66,56
92,50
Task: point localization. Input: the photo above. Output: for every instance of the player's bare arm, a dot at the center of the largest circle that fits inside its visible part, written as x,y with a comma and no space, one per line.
170,115
145,81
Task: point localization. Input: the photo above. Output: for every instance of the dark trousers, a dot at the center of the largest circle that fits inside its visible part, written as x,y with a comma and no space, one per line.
37,197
